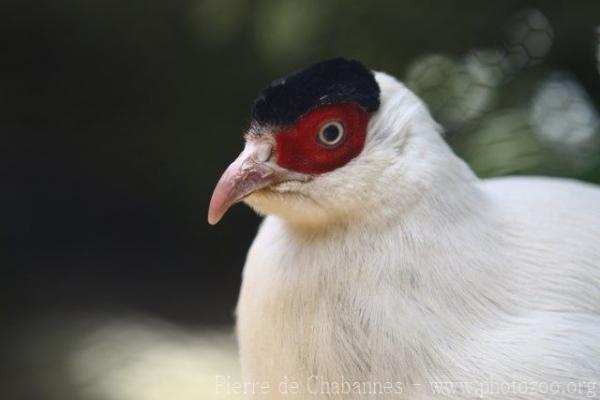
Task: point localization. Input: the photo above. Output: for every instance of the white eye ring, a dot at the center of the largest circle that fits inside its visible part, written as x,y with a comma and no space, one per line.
331,134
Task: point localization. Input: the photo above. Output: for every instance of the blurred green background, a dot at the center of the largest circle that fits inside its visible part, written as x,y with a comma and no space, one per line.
118,116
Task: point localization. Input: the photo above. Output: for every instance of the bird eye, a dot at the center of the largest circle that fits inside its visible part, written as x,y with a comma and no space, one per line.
331,134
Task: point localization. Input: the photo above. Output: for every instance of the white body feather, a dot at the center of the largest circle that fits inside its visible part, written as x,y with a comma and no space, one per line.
428,283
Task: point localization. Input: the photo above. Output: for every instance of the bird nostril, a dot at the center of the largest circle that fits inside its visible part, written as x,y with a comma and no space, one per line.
263,152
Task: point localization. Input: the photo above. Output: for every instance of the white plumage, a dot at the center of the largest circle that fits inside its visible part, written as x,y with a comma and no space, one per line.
402,275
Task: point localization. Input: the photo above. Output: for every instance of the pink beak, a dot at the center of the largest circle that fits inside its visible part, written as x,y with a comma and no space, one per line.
248,173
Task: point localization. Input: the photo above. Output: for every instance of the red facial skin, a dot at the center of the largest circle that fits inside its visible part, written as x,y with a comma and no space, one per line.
298,149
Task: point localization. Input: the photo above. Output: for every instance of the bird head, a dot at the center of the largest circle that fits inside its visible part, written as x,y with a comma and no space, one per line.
329,144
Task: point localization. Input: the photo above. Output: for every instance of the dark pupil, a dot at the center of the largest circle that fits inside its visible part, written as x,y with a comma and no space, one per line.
331,133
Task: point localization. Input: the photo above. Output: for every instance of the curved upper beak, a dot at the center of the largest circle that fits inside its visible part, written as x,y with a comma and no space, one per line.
250,172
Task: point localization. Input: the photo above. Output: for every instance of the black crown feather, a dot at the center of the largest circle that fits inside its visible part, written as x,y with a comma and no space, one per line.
328,82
